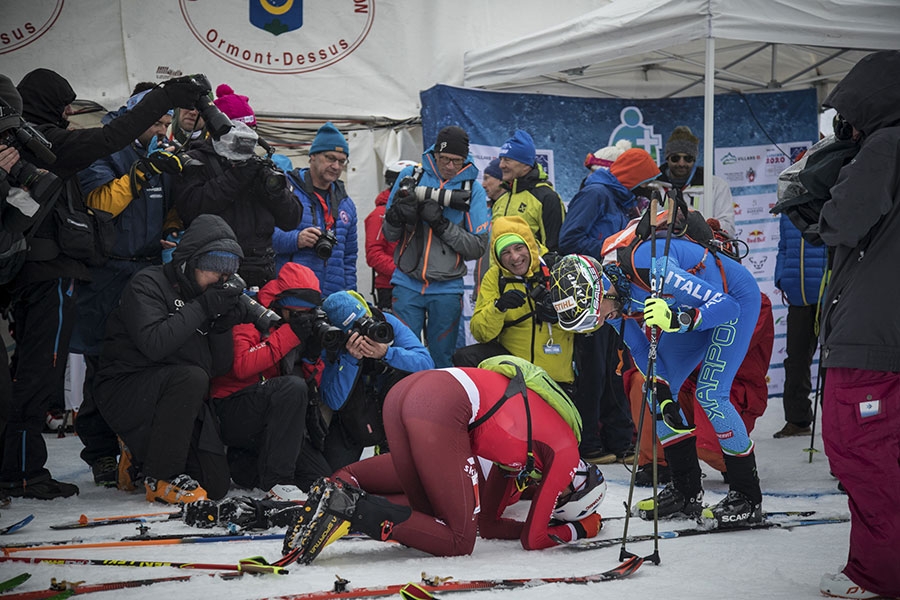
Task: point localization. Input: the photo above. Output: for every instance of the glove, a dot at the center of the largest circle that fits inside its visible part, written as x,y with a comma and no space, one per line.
302,323
543,305
671,416
432,213
657,314
161,162
587,527
218,299
510,299
183,92
247,172
235,315
403,211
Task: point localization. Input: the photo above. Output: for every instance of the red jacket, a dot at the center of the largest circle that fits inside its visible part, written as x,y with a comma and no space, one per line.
257,357
379,251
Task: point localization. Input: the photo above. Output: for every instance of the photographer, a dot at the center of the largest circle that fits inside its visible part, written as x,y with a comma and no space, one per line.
133,185
435,239
262,403
43,292
228,179
169,335
326,239
379,351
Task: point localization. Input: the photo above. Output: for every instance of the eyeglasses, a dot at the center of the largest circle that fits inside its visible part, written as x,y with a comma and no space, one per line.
331,158
446,160
676,158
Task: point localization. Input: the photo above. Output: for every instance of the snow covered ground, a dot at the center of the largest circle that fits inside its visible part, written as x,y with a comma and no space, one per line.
771,564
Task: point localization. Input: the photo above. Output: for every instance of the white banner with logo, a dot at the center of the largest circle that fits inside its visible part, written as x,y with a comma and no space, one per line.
752,173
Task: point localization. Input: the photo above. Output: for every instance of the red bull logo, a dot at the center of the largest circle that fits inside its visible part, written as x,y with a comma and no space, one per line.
756,236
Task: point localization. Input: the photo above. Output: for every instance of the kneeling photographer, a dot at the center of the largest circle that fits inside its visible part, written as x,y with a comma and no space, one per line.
378,352
262,402
227,178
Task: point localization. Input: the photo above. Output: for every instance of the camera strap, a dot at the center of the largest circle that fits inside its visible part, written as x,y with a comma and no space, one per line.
326,210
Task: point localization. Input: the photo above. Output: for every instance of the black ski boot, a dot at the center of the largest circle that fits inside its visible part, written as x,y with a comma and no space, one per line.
683,497
743,504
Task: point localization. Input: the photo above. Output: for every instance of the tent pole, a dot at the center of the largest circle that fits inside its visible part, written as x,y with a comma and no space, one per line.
708,129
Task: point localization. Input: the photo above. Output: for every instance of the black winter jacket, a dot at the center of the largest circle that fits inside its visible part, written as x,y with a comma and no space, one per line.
861,222
160,322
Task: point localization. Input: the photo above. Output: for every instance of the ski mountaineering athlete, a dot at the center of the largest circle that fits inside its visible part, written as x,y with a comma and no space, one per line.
708,316
437,423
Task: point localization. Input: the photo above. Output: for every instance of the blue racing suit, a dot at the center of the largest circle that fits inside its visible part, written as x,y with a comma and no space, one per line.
719,339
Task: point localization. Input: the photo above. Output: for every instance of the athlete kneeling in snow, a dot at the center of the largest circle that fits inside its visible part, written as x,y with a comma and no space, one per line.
702,324
437,423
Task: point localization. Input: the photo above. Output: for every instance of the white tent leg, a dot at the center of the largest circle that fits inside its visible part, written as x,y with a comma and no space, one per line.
708,124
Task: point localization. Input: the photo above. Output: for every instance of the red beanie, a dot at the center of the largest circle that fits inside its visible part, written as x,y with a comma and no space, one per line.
634,167
234,105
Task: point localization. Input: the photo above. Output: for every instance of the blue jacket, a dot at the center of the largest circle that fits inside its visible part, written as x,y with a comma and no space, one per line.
337,273
599,209
799,266
406,353
429,264
138,227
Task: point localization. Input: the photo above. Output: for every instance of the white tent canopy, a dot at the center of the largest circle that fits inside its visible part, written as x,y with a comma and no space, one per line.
667,48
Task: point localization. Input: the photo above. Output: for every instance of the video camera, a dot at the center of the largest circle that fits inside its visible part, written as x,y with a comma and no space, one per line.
16,133
262,317
458,199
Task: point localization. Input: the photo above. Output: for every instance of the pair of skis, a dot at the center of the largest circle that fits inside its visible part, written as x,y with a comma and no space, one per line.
424,589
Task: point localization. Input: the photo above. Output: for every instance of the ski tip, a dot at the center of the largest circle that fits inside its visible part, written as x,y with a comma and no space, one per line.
17,525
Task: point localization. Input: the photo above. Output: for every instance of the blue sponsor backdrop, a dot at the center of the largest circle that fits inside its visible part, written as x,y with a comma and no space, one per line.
574,127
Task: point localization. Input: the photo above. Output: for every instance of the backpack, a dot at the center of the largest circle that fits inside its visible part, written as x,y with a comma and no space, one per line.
523,374
688,224
13,248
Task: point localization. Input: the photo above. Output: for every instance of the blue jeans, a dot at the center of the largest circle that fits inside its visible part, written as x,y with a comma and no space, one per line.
437,314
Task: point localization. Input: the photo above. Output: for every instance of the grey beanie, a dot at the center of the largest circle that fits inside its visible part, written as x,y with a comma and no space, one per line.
682,141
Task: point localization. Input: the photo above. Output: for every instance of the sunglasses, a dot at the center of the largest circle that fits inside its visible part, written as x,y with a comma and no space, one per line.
676,158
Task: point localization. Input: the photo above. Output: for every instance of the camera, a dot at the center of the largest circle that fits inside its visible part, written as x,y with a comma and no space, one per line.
324,246
216,121
259,315
458,199
16,133
331,338
271,178
377,331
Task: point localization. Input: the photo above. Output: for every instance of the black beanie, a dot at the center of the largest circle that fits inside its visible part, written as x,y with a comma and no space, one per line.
453,140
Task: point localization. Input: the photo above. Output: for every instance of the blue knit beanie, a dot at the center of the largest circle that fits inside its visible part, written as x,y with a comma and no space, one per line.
329,138
219,261
493,169
520,147
344,309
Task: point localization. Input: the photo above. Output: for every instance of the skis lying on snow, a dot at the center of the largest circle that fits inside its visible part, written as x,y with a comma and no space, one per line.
256,564
788,523
18,580
64,589
17,525
441,586
85,521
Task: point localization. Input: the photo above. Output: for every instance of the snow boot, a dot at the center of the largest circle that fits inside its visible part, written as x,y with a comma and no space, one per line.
838,585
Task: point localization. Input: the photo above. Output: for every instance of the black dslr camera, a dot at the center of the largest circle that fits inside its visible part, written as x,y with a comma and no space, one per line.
216,121
377,331
458,199
331,338
262,317
324,246
16,133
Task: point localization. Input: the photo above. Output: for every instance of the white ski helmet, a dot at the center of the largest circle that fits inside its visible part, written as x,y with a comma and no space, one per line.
584,495
577,287
392,171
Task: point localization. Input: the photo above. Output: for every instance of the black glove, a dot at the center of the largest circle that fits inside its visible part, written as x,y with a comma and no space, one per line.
302,323
247,172
403,211
183,92
235,315
432,213
510,299
161,162
543,305
218,299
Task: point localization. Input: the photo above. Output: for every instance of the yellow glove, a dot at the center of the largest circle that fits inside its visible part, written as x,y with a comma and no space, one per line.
658,314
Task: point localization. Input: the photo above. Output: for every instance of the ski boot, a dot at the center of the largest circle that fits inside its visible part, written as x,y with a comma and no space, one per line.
735,510
672,505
